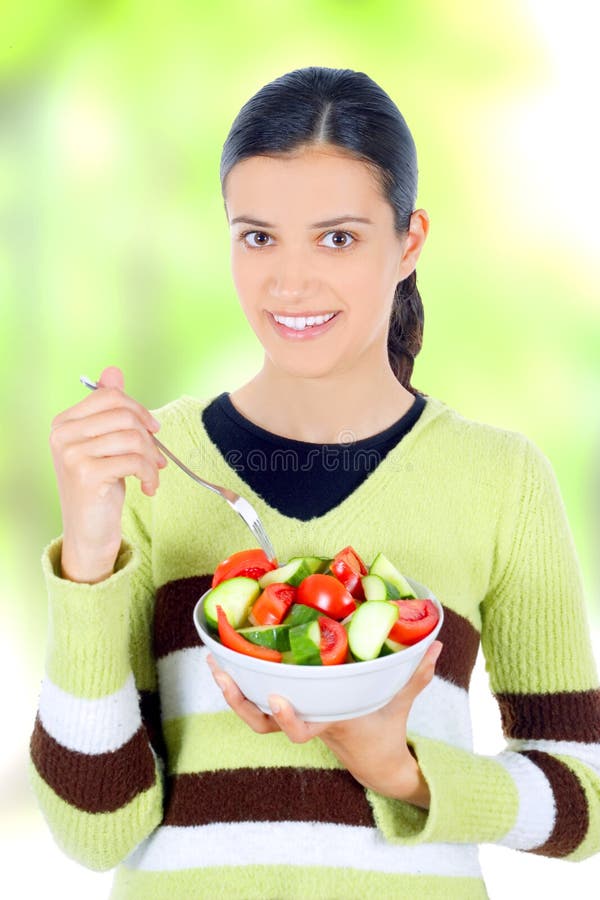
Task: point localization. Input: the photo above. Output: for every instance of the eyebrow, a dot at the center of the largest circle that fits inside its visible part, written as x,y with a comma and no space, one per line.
338,220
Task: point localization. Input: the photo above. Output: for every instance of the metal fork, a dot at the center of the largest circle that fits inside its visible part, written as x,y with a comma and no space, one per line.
239,504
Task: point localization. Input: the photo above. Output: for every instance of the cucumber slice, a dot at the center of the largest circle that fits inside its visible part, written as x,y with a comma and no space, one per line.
236,596
370,627
385,569
277,637
374,587
299,614
287,657
310,565
305,641
295,571
390,646
280,575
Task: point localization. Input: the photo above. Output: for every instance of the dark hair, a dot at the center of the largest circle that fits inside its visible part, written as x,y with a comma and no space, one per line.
347,109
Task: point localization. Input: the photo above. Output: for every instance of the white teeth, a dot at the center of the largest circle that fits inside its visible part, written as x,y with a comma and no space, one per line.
300,322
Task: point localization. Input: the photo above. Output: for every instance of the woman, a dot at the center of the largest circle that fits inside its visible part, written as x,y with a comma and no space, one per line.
138,759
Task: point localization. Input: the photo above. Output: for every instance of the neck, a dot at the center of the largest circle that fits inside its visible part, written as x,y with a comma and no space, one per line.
335,408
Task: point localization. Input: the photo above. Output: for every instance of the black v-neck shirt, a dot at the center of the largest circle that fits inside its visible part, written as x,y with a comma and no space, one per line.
299,478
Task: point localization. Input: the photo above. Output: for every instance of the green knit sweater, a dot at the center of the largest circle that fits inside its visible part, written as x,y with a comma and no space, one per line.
137,762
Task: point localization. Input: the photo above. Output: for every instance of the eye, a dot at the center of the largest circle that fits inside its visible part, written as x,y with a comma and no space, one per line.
245,234
346,234
263,243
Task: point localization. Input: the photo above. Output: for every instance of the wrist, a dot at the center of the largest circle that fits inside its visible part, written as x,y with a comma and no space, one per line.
82,568
411,784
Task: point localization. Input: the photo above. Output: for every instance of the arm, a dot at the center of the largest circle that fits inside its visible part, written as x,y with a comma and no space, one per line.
93,769
542,793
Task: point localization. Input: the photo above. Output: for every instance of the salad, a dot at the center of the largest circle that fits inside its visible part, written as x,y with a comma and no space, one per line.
315,610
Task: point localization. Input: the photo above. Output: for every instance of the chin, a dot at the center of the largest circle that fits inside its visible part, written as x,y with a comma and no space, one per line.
300,368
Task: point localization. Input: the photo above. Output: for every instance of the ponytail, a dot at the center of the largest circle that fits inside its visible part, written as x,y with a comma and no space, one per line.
405,336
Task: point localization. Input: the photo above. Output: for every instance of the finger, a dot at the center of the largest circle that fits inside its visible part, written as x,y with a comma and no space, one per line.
424,671
253,716
107,470
122,442
214,666
101,421
106,398
76,439
419,680
112,376
295,728
433,653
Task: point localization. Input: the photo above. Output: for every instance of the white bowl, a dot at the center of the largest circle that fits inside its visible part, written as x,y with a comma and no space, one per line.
321,693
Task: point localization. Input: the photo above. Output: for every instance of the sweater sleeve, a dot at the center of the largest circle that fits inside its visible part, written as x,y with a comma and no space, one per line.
541,794
95,765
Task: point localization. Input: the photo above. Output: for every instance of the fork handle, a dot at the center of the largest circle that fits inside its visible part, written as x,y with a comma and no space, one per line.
223,492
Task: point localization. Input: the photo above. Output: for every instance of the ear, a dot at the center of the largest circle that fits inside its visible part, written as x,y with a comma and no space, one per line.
413,243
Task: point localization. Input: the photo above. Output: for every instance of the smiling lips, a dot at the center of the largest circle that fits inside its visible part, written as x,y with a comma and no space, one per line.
302,326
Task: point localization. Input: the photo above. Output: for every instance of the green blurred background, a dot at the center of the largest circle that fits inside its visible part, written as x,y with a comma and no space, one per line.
115,248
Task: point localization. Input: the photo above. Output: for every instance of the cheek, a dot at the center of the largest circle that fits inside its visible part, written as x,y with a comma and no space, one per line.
365,287
367,273
244,276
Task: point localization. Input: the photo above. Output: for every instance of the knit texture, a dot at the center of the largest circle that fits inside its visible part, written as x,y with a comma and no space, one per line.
138,763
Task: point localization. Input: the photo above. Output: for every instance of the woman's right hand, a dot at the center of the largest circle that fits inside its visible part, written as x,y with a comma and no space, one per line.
95,444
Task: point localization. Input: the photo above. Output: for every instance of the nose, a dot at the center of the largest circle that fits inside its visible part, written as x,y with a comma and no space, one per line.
292,278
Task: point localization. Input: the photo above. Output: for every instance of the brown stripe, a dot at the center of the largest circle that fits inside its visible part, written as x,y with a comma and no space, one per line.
572,816
174,628
560,716
274,794
459,653
151,718
94,782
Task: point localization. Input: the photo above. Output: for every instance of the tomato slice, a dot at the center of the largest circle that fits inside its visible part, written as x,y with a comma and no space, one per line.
327,594
243,564
230,638
334,642
271,607
347,566
416,619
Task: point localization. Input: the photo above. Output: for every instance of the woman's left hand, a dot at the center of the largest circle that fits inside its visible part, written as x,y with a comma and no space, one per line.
373,747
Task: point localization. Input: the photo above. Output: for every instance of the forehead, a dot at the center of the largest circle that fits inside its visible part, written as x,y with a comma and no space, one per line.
305,182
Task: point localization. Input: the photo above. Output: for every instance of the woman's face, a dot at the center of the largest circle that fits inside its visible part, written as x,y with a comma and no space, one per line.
296,252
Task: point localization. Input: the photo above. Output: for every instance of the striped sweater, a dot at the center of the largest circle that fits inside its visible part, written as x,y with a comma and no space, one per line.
137,762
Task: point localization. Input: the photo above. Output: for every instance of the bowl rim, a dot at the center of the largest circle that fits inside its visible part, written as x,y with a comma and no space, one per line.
344,670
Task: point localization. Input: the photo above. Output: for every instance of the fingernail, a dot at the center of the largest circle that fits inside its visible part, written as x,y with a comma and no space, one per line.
155,423
436,651
221,682
275,706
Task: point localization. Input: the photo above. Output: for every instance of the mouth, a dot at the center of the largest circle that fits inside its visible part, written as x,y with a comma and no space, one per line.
298,327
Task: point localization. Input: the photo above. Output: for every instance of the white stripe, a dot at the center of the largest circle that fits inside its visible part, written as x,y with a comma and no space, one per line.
187,687
586,753
90,726
537,807
172,848
441,712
